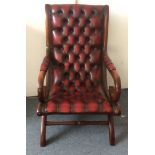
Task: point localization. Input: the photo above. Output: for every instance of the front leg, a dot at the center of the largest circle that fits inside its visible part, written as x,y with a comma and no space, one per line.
43,131
111,130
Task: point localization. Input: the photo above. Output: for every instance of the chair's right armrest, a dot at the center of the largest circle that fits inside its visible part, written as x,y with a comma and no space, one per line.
114,91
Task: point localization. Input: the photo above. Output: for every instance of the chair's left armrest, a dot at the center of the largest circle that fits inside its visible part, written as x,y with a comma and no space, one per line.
42,91
114,91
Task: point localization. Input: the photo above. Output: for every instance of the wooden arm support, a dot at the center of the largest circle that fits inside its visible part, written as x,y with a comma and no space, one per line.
114,91
42,91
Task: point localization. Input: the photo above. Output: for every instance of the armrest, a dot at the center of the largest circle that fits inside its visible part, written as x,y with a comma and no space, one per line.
114,91
43,69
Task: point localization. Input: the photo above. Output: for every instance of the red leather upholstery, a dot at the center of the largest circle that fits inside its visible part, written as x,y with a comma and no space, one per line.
75,39
81,101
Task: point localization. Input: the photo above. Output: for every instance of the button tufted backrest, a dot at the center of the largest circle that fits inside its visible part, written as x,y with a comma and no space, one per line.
76,39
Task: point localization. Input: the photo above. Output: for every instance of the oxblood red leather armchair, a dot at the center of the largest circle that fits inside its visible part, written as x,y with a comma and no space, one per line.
75,65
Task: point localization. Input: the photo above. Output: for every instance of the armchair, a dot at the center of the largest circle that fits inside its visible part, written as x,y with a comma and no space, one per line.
75,67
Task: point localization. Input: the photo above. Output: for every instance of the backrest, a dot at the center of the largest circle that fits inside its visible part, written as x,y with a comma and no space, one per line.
76,38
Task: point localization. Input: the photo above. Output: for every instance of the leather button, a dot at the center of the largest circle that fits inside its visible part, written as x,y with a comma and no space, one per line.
76,57
65,39
65,57
64,21
93,30
70,12
87,39
61,66
88,21
60,30
77,76
87,57
71,48
66,75
82,66
60,12
82,30
71,68
94,12
76,21
71,30
76,39
87,75
82,48
82,13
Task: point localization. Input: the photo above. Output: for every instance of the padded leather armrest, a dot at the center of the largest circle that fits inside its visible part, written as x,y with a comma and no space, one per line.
41,77
115,90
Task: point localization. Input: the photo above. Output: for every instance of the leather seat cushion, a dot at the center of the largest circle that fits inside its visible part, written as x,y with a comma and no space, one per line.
89,101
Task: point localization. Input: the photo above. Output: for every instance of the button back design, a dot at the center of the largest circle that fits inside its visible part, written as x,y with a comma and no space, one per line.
77,29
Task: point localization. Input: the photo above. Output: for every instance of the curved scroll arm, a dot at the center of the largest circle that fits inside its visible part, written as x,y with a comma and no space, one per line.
114,91
42,73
